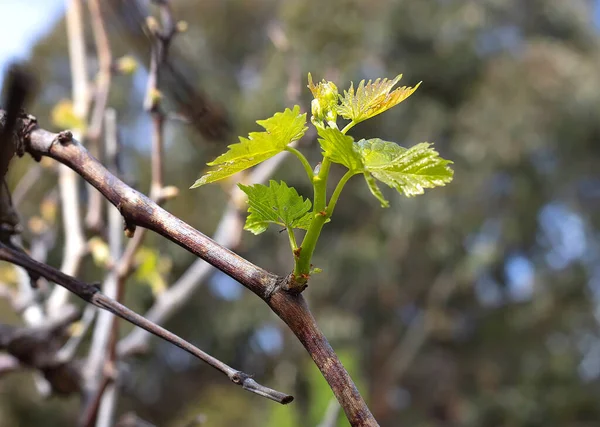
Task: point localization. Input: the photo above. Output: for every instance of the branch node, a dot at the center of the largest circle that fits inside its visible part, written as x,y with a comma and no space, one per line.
28,125
65,137
292,285
129,228
297,252
287,284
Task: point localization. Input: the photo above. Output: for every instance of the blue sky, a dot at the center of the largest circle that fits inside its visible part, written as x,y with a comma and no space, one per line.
22,23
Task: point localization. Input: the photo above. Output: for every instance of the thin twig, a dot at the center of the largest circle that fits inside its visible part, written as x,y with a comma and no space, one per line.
26,183
419,329
106,334
92,295
331,415
228,234
90,410
75,247
35,347
93,219
68,351
99,386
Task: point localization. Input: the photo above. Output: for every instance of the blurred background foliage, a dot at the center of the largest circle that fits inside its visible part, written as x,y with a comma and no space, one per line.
475,304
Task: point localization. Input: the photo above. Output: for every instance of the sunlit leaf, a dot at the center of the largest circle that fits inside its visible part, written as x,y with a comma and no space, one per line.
63,116
409,171
275,204
372,98
340,148
280,130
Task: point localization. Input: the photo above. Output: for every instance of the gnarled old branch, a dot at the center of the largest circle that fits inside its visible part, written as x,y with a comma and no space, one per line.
139,210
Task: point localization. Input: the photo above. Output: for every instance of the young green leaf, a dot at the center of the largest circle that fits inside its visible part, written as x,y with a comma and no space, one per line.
372,99
275,204
280,130
340,148
409,171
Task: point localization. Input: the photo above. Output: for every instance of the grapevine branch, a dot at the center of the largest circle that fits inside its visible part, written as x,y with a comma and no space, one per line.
276,291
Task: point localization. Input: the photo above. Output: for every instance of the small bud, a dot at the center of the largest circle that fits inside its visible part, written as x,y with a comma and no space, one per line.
129,229
152,24
316,110
153,98
297,252
323,106
329,92
182,26
126,65
317,170
76,329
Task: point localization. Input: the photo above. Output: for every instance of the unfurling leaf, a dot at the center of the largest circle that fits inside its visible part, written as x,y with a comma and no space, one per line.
275,204
280,130
372,98
409,171
324,104
340,148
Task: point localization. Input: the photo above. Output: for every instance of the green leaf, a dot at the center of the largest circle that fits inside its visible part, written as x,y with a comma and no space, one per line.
372,98
280,130
275,204
304,222
340,148
409,171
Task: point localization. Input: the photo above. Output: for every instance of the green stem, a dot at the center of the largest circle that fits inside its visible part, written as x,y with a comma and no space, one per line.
348,127
338,190
303,160
292,237
302,267
320,185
